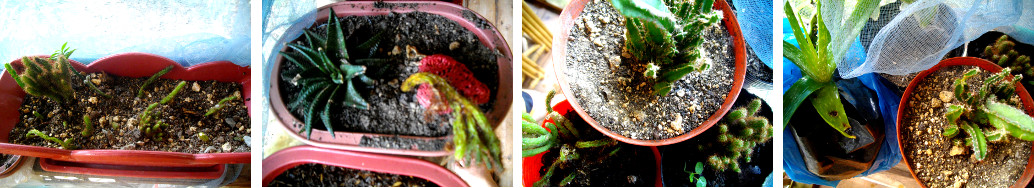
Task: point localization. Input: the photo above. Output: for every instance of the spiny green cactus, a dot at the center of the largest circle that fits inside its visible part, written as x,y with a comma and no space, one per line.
981,106
564,137
66,144
740,131
140,93
1002,53
150,125
220,105
666,35
325,68
473,137
45,77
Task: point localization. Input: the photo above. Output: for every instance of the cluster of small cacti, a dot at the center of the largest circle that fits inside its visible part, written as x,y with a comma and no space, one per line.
562,135
327,68
1003,54
740,131
986,105
667,37
474,140
150,124
45,77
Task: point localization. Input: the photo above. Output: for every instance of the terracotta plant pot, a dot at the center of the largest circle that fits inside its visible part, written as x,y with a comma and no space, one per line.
134,65
350,140
288,158
531,165
571,13
1028,106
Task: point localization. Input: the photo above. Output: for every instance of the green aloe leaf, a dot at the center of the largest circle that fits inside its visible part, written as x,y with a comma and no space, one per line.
852,27
807,57
796,95
827,103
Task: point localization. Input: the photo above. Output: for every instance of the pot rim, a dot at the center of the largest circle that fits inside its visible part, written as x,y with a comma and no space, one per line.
1028,105
571,13
489,37
283,160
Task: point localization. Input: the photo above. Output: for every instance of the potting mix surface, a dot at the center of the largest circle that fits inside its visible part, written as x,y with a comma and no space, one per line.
935,161
318,175
611,90
116,119
407,37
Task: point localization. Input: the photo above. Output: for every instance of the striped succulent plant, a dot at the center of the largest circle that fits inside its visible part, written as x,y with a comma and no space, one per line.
329,73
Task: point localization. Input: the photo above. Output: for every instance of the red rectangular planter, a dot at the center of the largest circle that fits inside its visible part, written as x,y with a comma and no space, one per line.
128,65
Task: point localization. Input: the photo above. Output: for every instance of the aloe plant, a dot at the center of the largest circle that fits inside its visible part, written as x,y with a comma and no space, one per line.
473,137
984,104
326,68
817,57
560,136
666,35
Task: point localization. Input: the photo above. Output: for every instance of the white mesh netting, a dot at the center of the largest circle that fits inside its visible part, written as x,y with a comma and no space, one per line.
924,31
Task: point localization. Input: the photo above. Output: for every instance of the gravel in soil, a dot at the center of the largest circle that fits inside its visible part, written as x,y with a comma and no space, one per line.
392,111
620,98
116,120
318,175
936,162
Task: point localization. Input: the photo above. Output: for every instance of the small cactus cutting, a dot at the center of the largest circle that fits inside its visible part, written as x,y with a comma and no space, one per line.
985,104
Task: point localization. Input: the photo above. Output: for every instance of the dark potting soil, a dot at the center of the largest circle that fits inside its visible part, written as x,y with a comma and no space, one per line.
318,175
622,101
631,166
932,155
116,120
681,157
392,111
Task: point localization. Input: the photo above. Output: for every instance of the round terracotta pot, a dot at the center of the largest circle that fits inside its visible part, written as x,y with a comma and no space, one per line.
288,158
133,65
530,165
1028,106
350,140
568,17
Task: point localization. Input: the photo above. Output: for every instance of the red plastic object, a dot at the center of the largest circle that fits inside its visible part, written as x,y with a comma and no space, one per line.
568,17
128,65
350,140
202,172
531,165
288,158
1028,106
